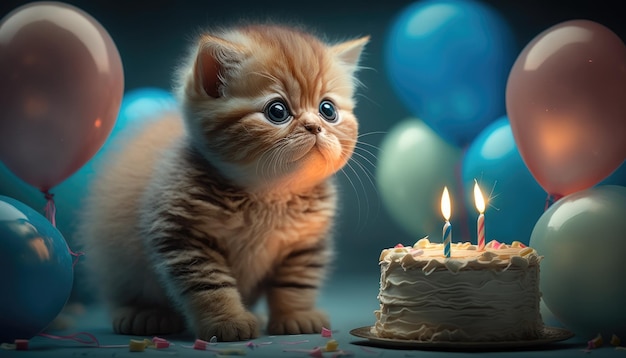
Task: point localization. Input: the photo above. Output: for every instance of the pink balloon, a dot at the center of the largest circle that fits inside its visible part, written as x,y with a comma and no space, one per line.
61,85
566,101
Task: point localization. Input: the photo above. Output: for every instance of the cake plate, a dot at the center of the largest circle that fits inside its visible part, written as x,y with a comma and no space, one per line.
546,336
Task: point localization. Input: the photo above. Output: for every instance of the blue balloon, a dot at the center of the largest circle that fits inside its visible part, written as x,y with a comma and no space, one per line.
138,107
142,105
35,271
517,201
618,177
448,61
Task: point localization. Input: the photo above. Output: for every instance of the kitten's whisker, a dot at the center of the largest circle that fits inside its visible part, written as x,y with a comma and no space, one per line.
370,133
359,146
364,191
282,160
273,153
357,142
370,177
262,174
358,83
264,163
366,68
276,155
356,80
356,154
367,160
358,139
358,201
369,100
367,152
258,163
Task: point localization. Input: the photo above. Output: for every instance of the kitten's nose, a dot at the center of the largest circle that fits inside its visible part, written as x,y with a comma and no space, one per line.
313,127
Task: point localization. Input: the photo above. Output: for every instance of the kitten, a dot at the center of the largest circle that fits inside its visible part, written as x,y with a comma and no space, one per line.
198,216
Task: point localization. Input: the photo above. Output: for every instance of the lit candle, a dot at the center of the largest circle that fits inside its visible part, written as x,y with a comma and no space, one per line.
447,227
479,200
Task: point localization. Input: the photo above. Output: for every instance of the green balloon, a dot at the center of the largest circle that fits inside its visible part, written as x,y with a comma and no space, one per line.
583,276
413,167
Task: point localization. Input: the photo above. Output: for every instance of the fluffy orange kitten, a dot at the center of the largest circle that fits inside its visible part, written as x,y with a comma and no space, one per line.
198,216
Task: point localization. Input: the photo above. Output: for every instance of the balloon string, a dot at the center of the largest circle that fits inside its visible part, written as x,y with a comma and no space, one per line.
88,339
50,208
551,199
51,211
76,255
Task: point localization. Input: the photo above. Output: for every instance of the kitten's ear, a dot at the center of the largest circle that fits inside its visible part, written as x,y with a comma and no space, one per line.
349,52
215,57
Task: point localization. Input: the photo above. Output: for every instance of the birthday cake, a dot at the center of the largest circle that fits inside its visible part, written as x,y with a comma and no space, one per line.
472,296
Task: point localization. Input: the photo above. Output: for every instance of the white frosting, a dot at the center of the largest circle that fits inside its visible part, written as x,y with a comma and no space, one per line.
491,295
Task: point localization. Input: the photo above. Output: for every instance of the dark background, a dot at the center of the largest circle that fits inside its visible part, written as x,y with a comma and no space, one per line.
151,37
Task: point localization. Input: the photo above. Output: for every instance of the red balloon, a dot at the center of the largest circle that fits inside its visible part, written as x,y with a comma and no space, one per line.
61,85
566,101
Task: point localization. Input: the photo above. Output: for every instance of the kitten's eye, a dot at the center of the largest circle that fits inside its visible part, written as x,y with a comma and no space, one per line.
277,112
328,111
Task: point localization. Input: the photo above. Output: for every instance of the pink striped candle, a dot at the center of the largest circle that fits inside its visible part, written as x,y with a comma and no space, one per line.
480,226
479,200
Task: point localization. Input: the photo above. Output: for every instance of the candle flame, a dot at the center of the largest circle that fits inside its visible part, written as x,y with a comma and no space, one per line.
479,199
445,204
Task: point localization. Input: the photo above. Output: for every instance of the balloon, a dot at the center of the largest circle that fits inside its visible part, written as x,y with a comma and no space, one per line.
61,80
35,271
618,177
517,201
139,107
581,237
448,61
565,100
413,167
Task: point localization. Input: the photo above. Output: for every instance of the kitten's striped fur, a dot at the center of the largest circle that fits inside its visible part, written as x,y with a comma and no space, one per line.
196,218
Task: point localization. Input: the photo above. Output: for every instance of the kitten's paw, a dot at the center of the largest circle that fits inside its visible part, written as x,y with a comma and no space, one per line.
303,322
146,321
238,328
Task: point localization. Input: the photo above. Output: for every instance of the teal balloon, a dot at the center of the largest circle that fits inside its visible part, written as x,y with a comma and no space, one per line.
618,177
414,166
142,105
448,61
139,106
35,271
515,201
582,239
